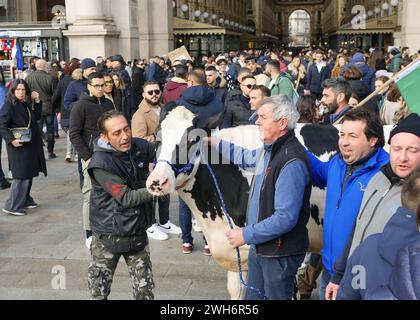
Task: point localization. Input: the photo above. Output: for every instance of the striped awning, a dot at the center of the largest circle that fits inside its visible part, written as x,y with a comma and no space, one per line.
383,25
189,27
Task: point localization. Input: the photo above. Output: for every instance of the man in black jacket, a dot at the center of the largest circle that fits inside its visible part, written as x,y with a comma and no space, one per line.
83,126
120,208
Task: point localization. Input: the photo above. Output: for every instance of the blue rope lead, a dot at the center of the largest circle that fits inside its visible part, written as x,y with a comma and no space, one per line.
238,252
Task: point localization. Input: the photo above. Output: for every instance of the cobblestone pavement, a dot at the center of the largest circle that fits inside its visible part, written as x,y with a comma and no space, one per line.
36,250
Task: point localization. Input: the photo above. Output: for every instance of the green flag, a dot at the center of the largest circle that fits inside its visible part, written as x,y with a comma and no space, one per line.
408,82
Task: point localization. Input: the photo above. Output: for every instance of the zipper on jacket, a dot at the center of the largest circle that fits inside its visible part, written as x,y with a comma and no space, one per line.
367,203
374,211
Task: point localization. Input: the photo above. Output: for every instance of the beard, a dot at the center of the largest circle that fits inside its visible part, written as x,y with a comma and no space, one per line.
333,107
152,103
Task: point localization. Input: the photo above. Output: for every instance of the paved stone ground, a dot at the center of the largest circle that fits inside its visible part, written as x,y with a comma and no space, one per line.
52,235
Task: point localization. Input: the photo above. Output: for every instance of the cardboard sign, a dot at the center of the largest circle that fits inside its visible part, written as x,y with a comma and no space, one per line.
179,54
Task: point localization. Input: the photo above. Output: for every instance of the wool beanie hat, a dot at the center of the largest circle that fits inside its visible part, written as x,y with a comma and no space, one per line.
411,124
88,63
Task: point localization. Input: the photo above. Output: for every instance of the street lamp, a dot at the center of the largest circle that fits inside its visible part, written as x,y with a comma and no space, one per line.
184,8
394,3
197,13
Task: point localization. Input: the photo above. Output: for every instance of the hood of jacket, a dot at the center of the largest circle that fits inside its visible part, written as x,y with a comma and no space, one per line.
400,231
203,103
100,145
198,96
357,58
176,83
77,75
405,284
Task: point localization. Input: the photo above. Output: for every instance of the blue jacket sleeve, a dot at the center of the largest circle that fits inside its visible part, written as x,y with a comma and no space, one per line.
290,188
245,159
319,171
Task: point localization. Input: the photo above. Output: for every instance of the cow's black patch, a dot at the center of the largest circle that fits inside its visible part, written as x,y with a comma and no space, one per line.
315,214
320,139
234,187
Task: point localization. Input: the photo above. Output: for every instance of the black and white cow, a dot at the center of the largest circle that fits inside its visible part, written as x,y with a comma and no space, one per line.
195,185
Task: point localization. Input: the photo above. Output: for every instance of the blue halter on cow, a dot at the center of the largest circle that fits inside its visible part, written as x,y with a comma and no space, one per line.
182,167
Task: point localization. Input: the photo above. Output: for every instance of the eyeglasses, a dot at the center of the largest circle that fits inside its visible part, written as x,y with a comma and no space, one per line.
156,92
97,86
109,83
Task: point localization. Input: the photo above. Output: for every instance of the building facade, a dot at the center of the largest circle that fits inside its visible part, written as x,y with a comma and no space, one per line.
61,29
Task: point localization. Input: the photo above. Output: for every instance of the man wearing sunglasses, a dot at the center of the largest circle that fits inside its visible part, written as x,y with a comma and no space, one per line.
144,125
238,107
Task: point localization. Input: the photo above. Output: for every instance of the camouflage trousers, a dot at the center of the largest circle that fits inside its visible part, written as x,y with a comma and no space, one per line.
104,263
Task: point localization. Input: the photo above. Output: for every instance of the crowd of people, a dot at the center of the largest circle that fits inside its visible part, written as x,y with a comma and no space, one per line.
110,110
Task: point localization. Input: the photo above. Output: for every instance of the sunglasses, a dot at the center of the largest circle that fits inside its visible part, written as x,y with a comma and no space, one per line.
156,92
249,86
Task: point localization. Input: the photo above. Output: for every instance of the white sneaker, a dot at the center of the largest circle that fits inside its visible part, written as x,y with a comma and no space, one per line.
88,242
196,227
154,232
170,228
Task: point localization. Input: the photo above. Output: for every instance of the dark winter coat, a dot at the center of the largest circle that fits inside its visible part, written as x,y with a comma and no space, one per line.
120,205
27,161
314,78
124,103
138,80
45,85
404,283
203,103
362,91
75,89
84,123
238,110
58,100
378,255
220,90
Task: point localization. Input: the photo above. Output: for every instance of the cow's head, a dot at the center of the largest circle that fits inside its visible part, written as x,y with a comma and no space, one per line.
179,154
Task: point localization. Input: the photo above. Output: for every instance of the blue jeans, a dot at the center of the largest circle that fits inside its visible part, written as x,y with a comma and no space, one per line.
274,277
325,280
185,222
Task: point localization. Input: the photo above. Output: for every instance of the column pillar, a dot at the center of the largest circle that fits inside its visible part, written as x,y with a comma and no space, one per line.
410,24
90,32
155,28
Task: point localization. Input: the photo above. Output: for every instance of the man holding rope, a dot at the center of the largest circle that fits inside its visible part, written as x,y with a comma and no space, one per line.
279,208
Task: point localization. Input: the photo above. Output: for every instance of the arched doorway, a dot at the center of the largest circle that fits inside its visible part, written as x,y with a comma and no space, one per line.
299,29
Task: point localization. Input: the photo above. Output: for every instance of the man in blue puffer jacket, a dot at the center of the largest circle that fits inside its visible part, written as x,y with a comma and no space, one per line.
369,76
346,177
386,255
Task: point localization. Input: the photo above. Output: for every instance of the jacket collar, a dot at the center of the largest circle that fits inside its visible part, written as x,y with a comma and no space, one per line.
146,107
391,176
280,142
